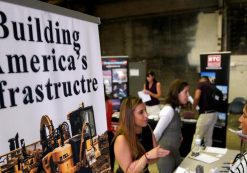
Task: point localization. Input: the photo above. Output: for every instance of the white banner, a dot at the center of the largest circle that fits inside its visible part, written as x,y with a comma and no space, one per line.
49,64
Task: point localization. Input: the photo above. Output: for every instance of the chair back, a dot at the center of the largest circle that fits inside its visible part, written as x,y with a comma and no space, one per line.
237,105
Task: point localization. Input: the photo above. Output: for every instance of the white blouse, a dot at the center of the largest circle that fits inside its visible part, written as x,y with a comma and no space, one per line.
165,117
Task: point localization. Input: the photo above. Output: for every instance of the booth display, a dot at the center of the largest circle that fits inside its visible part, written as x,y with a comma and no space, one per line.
217,67
116,78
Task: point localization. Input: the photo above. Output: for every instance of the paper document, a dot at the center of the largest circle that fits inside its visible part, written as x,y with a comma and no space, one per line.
238,132
191,100
143,96
216,150
181,170
205,158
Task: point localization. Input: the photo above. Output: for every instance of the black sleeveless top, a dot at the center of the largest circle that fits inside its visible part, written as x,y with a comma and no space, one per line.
153,89
146,139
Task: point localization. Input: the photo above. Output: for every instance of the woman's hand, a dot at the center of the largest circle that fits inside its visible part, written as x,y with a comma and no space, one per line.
147,92
157,152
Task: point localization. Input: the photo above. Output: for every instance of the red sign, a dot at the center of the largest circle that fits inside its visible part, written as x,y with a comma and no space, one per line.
214,62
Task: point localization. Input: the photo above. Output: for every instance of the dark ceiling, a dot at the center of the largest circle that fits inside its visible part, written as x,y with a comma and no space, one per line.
110,9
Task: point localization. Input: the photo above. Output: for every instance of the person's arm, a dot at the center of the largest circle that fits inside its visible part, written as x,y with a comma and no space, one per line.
196,98
124,158
155,144
166,115
155,154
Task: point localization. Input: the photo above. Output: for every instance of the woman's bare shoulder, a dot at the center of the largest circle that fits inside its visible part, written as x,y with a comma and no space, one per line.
120,139
121,143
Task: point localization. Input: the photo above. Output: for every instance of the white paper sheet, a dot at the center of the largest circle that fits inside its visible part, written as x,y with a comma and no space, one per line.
205,158
216,150
181,170
134,72
238,132
191,100
143,96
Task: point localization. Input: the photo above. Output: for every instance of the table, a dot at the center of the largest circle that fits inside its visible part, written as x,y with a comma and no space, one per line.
190,164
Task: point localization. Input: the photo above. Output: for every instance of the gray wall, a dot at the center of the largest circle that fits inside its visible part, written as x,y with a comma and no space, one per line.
162,41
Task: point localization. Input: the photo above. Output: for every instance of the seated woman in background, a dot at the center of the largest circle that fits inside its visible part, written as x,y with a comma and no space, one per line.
135,145
240,161
168,130
153,88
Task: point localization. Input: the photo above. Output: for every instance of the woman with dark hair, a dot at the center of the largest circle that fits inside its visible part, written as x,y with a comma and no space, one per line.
168,129
153,88
135,145
240,162
243,120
